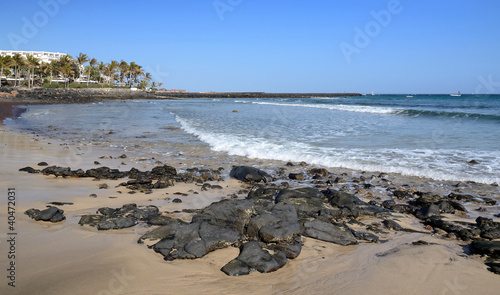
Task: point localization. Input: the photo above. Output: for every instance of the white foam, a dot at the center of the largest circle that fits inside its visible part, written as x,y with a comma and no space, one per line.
438,165
35,114
340,107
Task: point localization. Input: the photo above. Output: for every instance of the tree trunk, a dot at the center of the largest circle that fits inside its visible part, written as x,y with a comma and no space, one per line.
88,79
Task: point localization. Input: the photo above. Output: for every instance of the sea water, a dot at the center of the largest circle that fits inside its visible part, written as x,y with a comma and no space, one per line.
434,136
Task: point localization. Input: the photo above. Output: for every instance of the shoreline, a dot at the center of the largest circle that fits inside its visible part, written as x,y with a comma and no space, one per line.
55,257
83,95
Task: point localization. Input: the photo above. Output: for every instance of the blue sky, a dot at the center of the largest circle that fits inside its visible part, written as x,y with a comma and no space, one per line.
386,46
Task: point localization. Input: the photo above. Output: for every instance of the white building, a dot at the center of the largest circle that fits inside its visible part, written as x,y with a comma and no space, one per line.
45,57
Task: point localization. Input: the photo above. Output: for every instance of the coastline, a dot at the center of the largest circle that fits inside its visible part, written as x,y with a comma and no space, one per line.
83,95
54,258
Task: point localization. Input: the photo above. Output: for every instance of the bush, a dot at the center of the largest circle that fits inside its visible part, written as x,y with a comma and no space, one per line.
53,85
76,85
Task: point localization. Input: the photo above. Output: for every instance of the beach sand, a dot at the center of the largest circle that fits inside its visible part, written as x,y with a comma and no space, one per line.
66,258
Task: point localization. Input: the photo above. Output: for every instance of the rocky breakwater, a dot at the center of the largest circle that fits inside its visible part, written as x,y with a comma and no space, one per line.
83,95
80,95
181,95
269,222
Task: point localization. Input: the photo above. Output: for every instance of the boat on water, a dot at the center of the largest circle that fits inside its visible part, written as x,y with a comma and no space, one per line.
409,96
458,94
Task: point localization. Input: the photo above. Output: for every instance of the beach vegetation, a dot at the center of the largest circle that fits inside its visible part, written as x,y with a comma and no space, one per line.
68,72
75,85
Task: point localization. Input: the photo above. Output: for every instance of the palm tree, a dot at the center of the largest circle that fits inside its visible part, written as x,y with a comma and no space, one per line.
138,73
66,71
65,65
159,85
112,66
32,62
5,61
50,68
124,68
92,63
80,60
101,67
44,70
133,69
143,84
17,61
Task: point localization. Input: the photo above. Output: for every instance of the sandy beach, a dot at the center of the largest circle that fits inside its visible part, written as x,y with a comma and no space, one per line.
66,258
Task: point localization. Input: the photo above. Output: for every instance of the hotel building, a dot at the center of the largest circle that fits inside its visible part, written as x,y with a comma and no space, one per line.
45,57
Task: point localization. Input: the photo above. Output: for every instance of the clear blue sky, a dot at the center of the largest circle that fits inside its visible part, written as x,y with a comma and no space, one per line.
415,46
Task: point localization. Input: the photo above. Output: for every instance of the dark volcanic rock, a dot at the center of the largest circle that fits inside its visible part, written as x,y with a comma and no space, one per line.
250,174
296,176
162,231
365,236
126,216
490,248
215,237
319,171
307,201
254,257
329,232
194,240
280,225
52,214
235,214
107,223
353,204
403,194
162,220
29,170
391,224
60,203
489,229
164,170
259,191
173,245
460,197
446,207
464,231
236,268
427,211
291,251
57,171
91,219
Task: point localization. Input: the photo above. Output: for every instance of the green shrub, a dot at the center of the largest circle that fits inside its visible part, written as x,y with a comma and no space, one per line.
76,85
53,85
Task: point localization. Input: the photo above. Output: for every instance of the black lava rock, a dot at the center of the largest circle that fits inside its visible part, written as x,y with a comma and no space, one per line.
250,174
52,214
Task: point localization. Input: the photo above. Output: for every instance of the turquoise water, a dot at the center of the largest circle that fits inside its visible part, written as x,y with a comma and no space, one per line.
434,136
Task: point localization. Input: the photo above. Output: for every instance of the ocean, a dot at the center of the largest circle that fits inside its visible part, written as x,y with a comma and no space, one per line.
434,136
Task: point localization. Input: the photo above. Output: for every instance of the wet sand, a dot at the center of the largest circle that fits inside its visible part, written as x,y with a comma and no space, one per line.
66,258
